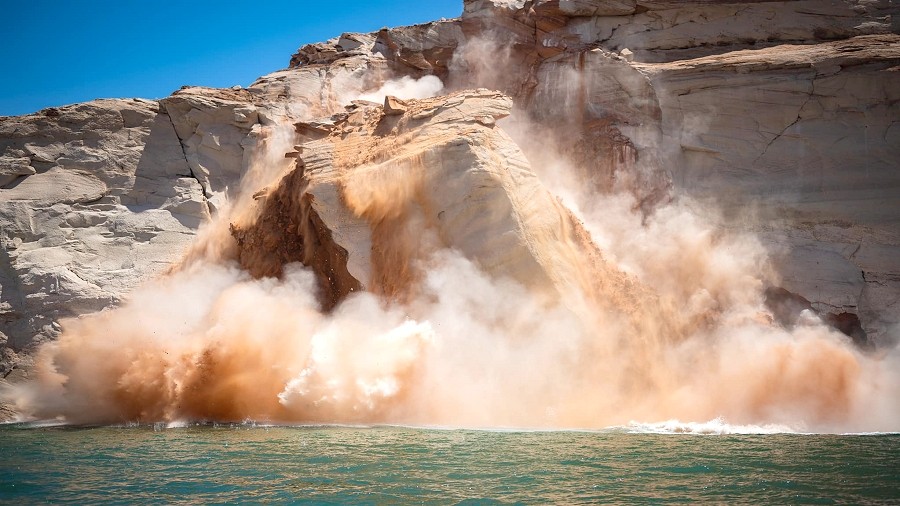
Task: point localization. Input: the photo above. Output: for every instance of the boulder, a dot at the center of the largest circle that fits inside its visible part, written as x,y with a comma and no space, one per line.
370,201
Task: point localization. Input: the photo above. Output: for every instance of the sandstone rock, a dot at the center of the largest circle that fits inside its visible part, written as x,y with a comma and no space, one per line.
666,31
803,134
393,106
604,113
407,50
369,202
213,127
314,91
103,199
12,168
788,308
741,115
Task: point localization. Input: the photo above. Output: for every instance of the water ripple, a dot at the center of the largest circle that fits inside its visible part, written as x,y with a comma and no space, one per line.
395,465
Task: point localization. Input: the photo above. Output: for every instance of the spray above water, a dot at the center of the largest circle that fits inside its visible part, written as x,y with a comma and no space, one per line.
662,316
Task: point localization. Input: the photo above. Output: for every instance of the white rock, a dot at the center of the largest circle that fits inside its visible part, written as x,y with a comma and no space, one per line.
102,200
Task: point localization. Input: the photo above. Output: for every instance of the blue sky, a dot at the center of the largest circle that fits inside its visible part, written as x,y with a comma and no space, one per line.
60,52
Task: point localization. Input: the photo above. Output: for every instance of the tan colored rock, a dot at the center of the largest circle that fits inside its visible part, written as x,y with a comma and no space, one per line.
743,115
805,136
425,47
393,106
215,127
371,201
12,168
593,8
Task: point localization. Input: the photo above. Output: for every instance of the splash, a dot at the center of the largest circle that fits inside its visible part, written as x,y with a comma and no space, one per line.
663,317
716,426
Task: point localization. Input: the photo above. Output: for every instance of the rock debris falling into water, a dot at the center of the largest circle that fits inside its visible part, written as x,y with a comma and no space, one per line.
518,231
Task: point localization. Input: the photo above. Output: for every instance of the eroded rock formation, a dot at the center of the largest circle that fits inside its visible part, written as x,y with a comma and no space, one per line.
376,191
99,199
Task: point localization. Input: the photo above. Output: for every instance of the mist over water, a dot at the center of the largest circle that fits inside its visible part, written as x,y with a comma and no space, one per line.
673,328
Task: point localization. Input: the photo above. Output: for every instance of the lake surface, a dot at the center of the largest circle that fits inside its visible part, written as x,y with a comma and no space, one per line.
395,465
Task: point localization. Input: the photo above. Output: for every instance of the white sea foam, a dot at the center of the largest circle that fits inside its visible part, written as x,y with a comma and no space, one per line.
716,426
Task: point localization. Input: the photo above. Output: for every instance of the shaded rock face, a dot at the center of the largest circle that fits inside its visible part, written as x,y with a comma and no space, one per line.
785,108
804,135
788,107
788,309
289,230
393,188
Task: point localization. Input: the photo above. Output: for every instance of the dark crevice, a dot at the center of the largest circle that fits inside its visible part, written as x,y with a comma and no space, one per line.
15,182
289,230
809,97
9,371
787,306
209,207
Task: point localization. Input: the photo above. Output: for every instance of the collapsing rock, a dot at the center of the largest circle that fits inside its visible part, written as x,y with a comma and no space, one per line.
388,186
379,193
382,192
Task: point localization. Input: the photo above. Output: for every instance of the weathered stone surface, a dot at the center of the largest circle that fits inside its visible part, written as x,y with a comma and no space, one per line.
753,104
102,200
408,50
11,168
214,127
368,147
665,31
376,199
314,91
805,135
819,117
393,106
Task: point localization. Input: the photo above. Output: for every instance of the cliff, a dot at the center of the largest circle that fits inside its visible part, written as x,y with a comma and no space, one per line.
782,116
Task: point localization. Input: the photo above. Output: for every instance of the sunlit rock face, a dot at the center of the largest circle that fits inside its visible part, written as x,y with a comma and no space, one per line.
790,108
99,198
377,190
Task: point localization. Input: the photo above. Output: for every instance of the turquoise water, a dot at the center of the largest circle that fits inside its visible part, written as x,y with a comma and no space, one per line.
388,465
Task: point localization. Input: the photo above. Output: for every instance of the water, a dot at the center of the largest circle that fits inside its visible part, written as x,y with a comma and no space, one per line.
391,465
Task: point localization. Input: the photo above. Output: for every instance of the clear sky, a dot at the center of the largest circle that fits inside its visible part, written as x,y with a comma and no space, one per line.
65,51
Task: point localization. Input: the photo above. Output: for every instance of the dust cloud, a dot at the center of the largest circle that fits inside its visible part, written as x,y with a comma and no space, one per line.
207,341
405,88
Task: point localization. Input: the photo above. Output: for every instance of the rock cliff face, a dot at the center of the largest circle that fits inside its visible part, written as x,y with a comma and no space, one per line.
96,198
784,114
378,190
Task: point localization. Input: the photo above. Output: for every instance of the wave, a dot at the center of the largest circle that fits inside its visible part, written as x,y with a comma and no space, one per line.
716,426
